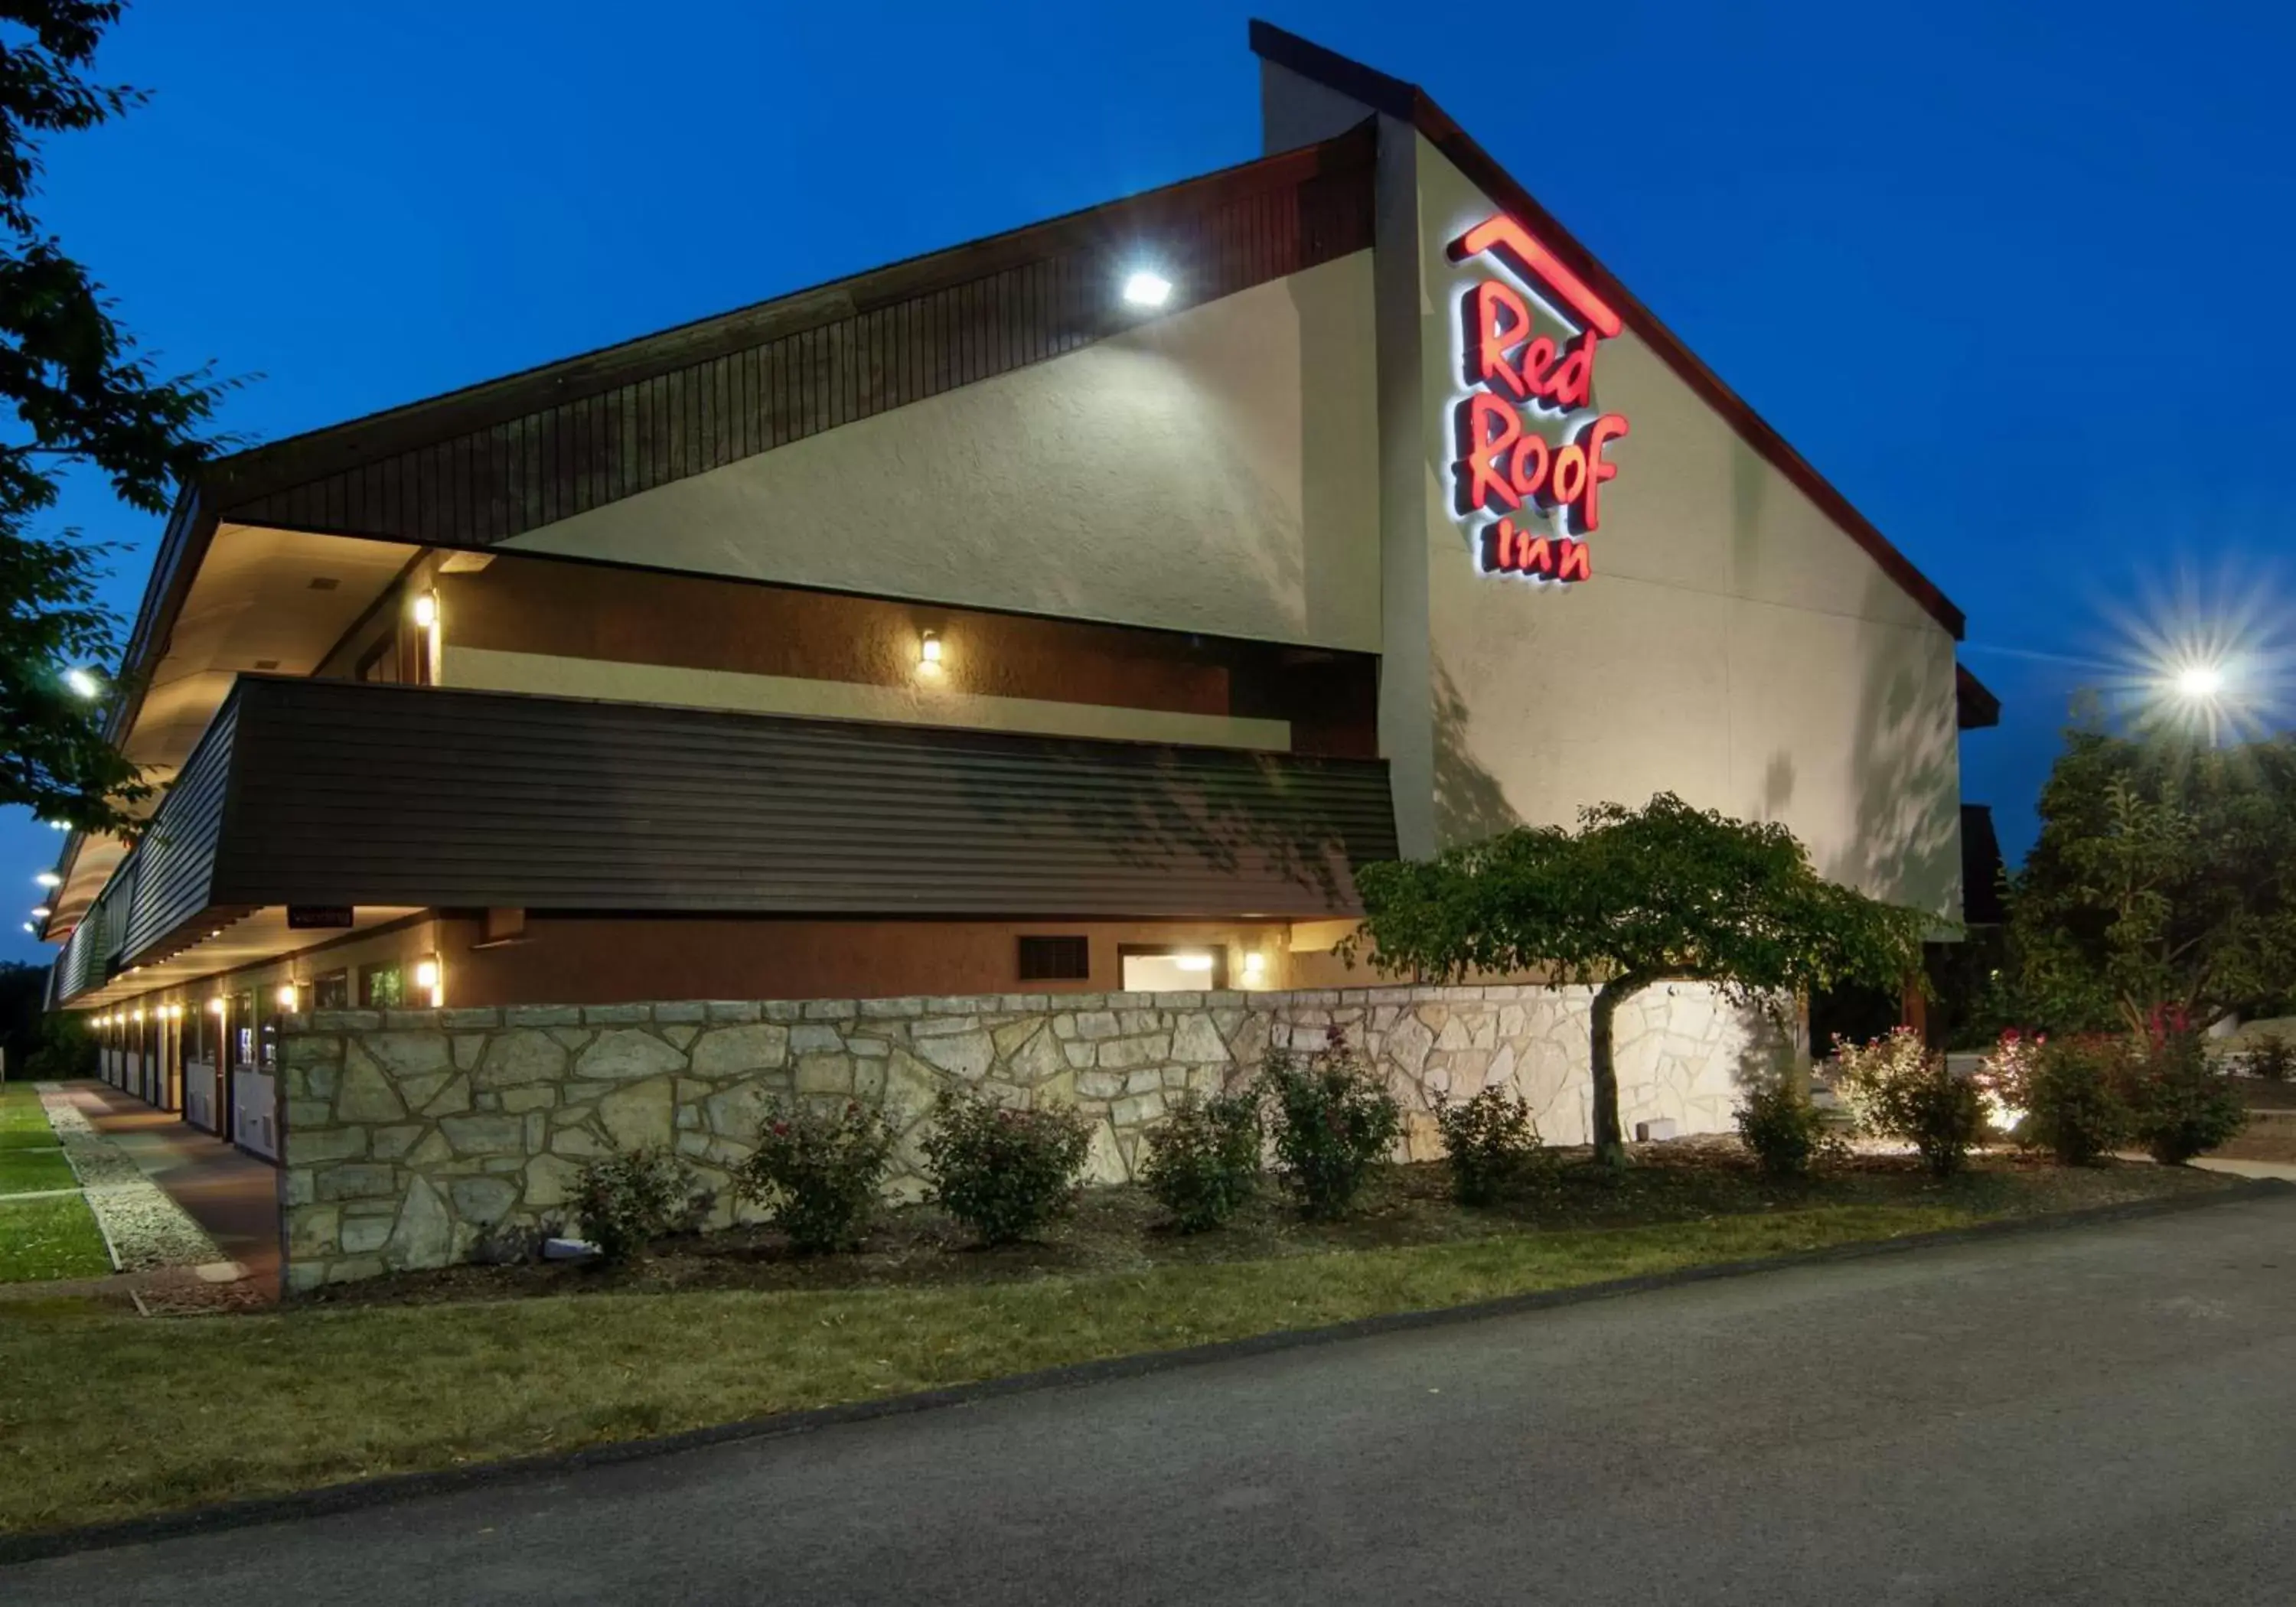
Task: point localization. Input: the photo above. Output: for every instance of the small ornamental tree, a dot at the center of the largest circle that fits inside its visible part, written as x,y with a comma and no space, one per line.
1634,897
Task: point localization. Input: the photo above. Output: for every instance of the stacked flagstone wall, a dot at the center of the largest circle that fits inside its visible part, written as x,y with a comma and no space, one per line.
414,1138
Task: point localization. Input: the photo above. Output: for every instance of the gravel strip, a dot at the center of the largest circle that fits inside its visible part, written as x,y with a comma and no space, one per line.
146,1228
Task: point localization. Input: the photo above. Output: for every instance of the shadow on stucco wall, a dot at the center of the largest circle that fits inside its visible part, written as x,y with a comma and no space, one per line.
1905,773
1469,803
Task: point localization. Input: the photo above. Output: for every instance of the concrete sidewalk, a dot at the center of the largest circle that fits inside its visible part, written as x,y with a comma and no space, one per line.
230,1193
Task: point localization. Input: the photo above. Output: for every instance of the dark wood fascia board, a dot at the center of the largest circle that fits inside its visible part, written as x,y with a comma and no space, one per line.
265,470
1407,102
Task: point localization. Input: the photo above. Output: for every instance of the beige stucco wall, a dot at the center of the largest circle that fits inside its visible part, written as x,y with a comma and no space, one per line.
1212,470
1735,645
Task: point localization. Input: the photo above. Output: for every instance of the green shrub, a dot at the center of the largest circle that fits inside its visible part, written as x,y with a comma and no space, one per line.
1783,1131
2270,1055
629,1199
2074,1100
1204,1161
1491,1143
1334,1122
2179,1105
1004,1173
1899,1091
818,1172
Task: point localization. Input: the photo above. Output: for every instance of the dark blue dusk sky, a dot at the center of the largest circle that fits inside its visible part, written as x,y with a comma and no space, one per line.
2013,277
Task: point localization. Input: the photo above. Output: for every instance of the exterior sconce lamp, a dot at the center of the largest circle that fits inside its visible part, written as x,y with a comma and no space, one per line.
1145,288
426,610
137,1014
430,980
1255,968
929,650
287,996
215,1005
426,621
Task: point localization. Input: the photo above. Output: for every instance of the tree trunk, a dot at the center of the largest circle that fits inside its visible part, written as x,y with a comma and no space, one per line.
1609,1141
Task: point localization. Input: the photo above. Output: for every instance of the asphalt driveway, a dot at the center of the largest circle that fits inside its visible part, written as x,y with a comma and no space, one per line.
2090,1415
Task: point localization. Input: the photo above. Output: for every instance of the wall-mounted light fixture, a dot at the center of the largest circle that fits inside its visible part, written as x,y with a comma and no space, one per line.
1146,288
929,650
430,978
137,1012
287,996
1255,967
215,1005
426,610
426,616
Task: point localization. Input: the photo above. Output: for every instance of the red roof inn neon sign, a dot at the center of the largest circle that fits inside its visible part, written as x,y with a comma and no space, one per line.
1503,465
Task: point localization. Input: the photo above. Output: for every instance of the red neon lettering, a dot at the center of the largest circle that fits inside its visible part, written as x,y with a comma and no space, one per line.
1572,564
1527,470
1507,551
1497,320
1519,242
1600,434
1568,482
1488,428
1573,379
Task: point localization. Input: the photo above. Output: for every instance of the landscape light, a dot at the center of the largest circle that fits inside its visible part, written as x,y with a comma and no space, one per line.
83,685
1145,289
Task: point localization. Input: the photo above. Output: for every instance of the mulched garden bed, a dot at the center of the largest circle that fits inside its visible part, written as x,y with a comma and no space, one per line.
1119,1229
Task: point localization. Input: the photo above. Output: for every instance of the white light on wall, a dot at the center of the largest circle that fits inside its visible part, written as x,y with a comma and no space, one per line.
1255,966
49,879
215,1005
287,996
431,979
1146,288
83,685
138,1012
928,650
1192,962
426,610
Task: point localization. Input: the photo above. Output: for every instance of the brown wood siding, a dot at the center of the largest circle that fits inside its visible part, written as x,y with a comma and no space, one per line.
352,793
473,468
174,865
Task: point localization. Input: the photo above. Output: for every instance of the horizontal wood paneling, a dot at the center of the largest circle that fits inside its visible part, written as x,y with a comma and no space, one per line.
376,794
476,468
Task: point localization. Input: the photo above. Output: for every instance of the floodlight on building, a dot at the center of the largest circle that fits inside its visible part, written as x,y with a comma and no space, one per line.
1147,289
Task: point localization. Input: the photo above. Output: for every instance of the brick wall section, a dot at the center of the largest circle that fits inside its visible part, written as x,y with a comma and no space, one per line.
412,1135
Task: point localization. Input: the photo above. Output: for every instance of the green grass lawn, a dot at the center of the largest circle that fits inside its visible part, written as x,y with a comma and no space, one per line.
41,1239
23,1125
28,1171
102,1416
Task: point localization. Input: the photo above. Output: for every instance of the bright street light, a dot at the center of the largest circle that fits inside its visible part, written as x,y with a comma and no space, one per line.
2199,682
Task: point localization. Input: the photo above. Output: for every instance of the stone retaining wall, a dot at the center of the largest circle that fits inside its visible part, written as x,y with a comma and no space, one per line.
414,1134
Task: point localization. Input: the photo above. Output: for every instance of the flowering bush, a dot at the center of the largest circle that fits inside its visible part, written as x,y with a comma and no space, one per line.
1785,1131
2004,1078
1002,1172
1203,1162
819,1172
1491,1143
1898,1090
2075,1094
1334,1122
627,1199
2180,1106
